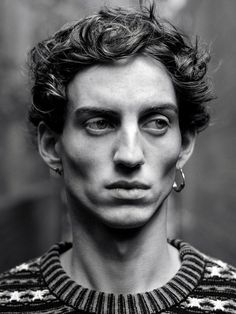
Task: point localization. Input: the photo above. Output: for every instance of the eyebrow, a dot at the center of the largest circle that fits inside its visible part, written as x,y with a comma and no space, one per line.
160,108
111,112
96,111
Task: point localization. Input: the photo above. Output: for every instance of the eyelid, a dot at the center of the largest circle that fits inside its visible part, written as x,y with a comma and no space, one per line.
95,118
155,116
156,119
98,131
150,127
162,110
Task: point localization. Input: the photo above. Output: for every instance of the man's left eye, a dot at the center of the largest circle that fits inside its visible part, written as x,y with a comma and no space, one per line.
157,125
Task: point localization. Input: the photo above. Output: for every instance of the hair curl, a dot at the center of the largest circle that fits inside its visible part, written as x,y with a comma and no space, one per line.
111,35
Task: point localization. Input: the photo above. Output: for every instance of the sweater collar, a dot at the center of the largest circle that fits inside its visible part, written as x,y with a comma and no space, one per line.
91,301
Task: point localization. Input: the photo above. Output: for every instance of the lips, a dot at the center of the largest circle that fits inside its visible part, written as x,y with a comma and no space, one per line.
128,190
128,185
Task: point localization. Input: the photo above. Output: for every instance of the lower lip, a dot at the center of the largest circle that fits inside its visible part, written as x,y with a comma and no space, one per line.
128,194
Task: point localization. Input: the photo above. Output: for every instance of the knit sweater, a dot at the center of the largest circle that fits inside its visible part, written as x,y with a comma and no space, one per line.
202,285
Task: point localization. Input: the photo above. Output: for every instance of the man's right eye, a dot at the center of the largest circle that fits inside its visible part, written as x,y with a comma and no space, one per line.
98,125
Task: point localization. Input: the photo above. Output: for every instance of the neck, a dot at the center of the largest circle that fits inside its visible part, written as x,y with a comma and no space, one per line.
122,261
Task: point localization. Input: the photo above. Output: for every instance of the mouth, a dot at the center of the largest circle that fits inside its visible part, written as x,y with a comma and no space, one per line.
128,190
128,185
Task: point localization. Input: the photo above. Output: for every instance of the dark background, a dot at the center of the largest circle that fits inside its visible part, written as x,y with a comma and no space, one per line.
32,214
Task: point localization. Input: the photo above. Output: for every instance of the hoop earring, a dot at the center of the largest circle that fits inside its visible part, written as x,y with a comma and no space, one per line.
179,188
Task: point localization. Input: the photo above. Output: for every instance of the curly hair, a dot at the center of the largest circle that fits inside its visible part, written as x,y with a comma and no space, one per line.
111,35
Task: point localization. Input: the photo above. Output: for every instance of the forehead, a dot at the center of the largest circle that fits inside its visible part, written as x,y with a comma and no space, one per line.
128,84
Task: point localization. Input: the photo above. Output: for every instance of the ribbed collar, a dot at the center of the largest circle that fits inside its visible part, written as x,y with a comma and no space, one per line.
91,301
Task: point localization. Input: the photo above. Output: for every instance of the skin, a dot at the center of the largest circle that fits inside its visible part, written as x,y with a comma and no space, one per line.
122,124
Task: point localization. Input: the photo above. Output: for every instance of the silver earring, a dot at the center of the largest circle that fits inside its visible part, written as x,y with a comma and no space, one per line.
179,188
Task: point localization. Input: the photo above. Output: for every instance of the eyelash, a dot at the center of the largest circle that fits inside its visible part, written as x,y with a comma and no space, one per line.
153,123
110,126
93,121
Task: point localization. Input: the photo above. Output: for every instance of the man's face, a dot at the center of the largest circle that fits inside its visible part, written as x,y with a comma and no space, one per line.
121,141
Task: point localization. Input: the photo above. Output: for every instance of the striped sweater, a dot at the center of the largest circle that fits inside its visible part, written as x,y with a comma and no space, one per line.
202,285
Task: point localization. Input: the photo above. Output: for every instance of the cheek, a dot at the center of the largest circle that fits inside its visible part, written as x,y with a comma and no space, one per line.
165,156
83,158
171,157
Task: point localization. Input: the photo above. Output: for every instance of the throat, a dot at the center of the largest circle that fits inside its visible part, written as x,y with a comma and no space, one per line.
121,261
126,269
125,261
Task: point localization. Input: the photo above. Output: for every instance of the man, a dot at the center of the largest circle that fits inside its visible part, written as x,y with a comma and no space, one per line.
118,98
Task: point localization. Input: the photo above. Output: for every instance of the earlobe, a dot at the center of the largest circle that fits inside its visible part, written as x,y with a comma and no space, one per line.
48,146
188,143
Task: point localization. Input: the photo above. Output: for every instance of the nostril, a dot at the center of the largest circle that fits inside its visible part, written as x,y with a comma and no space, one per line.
129,162
128,168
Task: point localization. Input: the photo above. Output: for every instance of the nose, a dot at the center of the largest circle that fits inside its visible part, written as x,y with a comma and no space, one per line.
129,152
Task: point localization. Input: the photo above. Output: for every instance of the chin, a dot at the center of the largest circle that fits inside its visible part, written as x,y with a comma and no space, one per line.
128,217
125,225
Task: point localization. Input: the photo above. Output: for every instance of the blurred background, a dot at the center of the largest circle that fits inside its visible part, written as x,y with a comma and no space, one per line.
32,212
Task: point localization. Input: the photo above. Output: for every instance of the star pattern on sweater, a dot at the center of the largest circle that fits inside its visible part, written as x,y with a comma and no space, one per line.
15,296
38,294
21,267
20,295
215,271
194,302
199,303
218,304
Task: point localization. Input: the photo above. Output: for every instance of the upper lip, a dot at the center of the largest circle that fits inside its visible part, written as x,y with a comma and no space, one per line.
128,185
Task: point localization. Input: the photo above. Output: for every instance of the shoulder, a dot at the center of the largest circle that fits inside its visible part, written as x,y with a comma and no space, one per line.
23,289
217,274
213,267
22,273
22,283
216,288
219,270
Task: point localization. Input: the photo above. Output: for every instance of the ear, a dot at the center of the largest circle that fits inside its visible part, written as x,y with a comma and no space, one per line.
49,146
188,143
